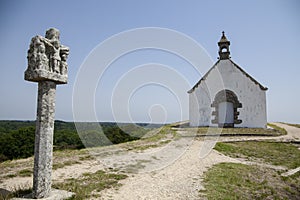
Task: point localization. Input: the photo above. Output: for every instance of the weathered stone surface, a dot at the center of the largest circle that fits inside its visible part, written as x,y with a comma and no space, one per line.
44,139
47,59
47,65
43,75
54,195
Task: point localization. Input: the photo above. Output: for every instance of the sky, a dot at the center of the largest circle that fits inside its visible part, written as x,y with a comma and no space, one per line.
148,84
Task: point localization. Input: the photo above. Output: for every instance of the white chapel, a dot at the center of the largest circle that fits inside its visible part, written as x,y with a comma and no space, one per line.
227,96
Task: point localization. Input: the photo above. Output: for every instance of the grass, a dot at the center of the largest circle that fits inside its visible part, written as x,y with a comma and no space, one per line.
238,181
295,125
71,154
86,186
275,153
19,191
87,157
163,137
10,175
133,168
163,133
279,129
15,168
25,172
23,167
65,158
223,181
90,184
64,164
203,131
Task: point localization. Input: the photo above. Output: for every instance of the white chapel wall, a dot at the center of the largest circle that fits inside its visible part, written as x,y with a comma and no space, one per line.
253,99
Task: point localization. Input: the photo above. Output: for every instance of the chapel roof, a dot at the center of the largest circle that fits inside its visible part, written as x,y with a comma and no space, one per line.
238,67
224,43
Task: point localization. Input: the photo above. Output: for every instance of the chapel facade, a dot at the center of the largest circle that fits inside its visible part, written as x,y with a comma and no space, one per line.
227,96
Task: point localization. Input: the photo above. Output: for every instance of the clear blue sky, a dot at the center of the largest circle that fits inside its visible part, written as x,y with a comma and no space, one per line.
264,35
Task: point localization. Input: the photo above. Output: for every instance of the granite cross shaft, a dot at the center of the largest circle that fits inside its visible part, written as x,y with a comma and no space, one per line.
44,139
46,65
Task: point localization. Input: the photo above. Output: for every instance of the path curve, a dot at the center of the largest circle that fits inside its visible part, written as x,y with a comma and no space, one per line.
182,179
293,134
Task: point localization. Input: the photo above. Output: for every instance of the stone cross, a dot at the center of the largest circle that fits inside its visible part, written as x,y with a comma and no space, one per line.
46,65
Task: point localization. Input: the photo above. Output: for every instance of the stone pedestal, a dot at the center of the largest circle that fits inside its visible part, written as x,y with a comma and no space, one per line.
54,195
44,139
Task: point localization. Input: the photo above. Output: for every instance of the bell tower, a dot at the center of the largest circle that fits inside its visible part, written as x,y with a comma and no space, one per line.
224,47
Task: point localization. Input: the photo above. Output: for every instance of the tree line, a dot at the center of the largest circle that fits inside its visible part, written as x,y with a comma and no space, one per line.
17,137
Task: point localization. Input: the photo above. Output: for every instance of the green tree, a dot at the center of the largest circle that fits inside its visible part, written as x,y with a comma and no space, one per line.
67,139
18,144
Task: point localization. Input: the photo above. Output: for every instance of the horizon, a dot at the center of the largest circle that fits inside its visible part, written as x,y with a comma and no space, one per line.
130,122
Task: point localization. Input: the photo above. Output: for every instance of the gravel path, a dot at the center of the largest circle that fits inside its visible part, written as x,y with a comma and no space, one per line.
182,179
174,171
293,134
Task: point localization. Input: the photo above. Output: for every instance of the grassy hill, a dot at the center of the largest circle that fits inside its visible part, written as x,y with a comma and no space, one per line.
257,175
17,137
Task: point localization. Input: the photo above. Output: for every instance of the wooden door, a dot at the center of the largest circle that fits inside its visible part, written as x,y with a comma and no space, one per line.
226,114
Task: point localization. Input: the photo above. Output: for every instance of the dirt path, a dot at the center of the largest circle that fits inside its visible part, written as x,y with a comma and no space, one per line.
293,134
180,180
173,171
73,171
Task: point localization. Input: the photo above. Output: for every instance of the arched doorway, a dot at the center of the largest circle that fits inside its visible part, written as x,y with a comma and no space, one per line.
226,104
